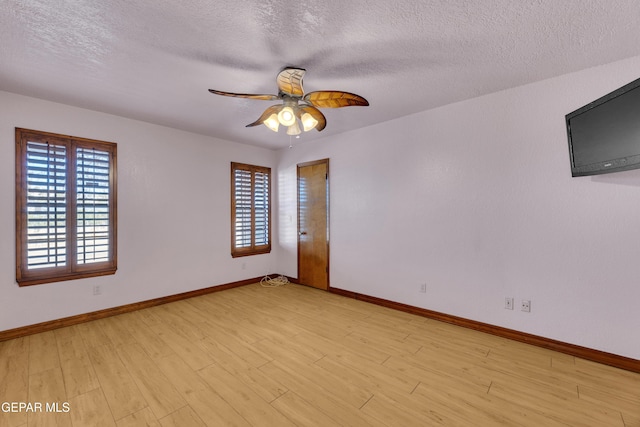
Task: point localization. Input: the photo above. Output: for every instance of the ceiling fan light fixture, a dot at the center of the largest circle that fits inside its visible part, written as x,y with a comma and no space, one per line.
272,122
308,122
286,117
294,129
298,109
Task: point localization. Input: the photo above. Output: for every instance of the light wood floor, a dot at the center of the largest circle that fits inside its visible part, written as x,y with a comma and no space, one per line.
296,356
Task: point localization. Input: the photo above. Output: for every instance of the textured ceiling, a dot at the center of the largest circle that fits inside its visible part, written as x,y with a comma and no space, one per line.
154,60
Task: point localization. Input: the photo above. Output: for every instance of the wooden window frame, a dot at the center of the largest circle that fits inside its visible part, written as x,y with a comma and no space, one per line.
253,248
72,269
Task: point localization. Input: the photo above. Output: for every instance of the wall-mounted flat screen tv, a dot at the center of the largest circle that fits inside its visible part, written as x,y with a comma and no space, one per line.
604,136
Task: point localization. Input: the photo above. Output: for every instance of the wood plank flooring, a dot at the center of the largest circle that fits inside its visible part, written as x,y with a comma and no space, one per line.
297,356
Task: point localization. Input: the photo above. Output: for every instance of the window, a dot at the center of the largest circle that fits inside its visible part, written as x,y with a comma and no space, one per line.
250,210
65,207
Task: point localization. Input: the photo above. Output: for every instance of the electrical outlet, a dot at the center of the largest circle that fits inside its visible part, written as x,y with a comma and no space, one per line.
508,303
244,265
423,288
97,290
526,305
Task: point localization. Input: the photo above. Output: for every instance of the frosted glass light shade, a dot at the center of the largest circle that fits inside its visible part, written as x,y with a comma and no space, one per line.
272,122
294,129
286,116
308,122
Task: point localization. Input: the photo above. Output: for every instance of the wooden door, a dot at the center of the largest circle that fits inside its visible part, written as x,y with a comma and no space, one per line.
313,224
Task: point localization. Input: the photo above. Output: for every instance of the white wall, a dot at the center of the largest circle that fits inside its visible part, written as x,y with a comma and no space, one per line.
173,213
476,199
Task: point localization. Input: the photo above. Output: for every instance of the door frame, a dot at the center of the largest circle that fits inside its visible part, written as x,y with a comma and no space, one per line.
298,166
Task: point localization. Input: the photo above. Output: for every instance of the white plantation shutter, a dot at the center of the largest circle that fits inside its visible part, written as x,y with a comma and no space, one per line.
250,204
92,206
46,205
261,208
243,211
65,207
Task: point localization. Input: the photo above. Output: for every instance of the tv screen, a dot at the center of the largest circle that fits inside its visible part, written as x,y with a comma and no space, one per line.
604,136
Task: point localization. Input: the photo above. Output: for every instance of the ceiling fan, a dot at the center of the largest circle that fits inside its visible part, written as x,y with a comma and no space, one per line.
296,105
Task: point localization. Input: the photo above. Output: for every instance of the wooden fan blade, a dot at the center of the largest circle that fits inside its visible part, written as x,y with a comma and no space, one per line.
274,109
265,97
334,99
290,82
316,114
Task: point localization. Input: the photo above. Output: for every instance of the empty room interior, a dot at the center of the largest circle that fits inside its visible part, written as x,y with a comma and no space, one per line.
384,213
